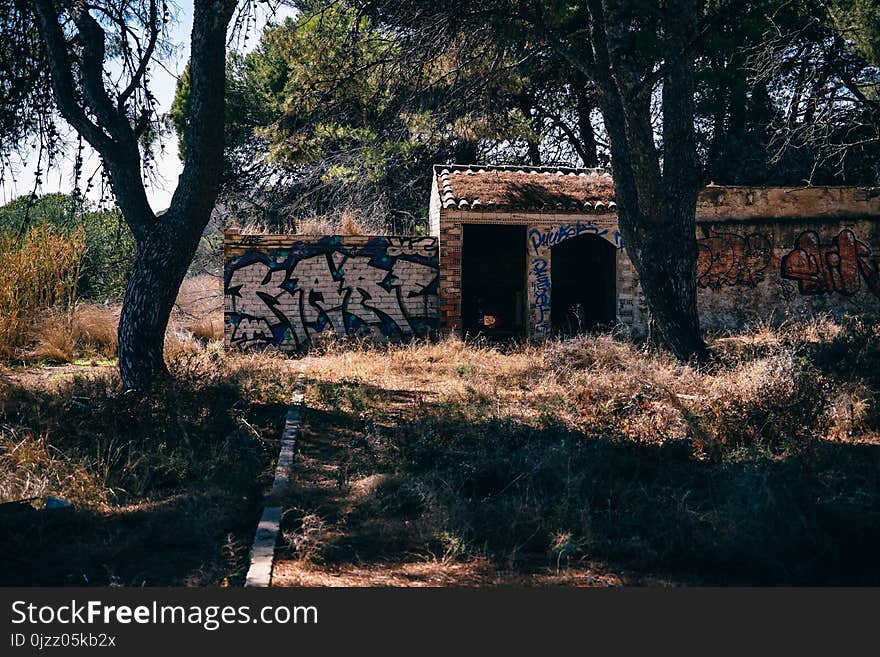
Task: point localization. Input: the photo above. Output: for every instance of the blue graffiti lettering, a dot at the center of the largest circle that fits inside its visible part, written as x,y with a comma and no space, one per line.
542,239
541,294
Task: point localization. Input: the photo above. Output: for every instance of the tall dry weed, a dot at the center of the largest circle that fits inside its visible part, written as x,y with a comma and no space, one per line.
38,271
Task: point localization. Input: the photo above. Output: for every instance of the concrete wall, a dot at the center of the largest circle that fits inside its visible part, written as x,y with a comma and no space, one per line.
287,290
773,253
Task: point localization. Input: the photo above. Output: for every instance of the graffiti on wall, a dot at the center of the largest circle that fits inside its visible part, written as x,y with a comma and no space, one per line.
384,286
541,295
542,239
731,259
840,266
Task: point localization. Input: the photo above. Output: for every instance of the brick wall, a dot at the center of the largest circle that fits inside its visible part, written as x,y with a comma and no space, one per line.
287,290
764,254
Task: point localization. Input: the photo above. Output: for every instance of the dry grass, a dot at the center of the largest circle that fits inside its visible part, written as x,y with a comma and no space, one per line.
586,461
760,467
84,331
39,271
345,223
762,389
171,481
65,333
93,328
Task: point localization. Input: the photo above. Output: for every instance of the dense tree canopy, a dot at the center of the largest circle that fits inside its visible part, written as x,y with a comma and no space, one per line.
333,111
349,105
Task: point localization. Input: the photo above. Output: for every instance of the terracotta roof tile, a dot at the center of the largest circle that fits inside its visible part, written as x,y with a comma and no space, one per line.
544,189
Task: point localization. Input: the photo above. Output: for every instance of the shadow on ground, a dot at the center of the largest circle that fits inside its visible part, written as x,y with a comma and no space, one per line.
422,497
167,488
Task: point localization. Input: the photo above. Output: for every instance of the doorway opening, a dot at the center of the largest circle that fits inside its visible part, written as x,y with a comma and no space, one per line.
584,294
493,280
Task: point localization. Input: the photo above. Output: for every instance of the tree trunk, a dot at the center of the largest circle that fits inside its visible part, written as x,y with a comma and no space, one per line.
165,252
466,152
534,153
533,146
161,262
668,278
589,152
656,205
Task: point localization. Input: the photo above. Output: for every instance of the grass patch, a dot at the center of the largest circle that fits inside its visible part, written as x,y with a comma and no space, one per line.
760,468
166,488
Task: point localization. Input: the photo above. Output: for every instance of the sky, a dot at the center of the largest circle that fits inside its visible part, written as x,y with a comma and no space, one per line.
168,165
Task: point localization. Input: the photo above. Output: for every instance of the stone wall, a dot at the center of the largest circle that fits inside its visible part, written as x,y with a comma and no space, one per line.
767,254
287,290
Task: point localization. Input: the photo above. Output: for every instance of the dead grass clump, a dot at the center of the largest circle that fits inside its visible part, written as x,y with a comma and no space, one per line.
210,328
94,329
31,468
180,344
316,225
60,336
37,272
349,224
53,338
136,446
772,403
309,540
198,310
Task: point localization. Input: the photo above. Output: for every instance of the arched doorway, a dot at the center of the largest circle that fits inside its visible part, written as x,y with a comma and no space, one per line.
584,293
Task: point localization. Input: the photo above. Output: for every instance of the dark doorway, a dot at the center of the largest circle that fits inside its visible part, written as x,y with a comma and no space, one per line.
493,275
583,298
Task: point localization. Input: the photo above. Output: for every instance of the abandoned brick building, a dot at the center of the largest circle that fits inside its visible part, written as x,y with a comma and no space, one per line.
532,251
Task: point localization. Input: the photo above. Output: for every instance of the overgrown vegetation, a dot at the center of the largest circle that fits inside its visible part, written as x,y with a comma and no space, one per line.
63,268
104,241
166,488
37,272
763,467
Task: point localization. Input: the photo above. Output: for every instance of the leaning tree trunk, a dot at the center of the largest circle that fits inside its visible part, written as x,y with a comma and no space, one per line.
161,262
657,219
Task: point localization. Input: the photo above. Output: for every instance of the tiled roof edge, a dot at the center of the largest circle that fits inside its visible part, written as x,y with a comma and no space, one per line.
514,168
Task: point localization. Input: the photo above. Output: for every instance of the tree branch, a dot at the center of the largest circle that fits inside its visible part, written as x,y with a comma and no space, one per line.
63,84
138,75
